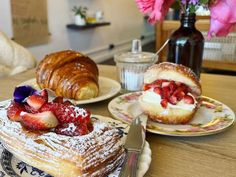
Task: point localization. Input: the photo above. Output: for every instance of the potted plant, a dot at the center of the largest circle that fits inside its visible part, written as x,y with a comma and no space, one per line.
80,15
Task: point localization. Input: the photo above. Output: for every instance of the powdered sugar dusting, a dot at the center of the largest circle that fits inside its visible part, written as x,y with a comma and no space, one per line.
79,111
71,127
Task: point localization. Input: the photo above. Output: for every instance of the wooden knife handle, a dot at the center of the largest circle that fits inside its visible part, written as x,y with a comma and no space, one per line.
129,167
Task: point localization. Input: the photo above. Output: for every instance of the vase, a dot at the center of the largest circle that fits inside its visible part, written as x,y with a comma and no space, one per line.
79,20
186,44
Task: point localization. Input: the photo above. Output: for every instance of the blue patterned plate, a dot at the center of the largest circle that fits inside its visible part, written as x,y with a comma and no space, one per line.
11,166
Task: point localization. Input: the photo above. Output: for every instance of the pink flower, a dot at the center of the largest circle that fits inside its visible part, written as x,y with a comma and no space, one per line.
157,9
145,6
223,18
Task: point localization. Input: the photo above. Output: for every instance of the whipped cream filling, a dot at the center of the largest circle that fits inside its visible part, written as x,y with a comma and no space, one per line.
151,97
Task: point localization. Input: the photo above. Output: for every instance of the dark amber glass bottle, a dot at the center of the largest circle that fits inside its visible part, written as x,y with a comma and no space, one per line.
186,44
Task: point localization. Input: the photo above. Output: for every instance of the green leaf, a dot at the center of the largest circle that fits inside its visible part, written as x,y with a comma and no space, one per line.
80,11
203,1
175,5
192,8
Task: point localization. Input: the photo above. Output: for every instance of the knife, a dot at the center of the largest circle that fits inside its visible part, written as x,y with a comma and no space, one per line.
134,145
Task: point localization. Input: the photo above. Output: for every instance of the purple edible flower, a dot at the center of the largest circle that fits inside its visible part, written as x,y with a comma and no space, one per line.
184,2
194,2
22,92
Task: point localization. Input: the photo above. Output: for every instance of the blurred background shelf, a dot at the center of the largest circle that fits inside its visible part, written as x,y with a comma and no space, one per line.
87,26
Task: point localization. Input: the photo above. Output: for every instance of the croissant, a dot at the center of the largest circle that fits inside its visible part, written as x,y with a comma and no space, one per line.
69,74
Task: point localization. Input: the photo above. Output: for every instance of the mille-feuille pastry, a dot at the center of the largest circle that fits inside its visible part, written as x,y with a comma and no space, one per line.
60,138
69,74
171,93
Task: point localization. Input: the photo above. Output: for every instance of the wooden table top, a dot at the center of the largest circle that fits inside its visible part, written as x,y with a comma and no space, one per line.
208,156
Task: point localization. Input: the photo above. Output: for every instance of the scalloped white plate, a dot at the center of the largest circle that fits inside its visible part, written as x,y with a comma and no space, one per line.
107,89
11,166
207,120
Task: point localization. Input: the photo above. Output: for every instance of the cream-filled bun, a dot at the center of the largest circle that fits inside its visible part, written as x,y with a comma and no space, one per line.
171,93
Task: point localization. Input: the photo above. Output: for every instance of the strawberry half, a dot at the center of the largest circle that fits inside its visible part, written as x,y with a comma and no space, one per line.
164,103
165,84
146,87
165,93
39,121
30,109
67,113
173,100
14,110
179,95
58,99
172,86
188,99
36,101
157,90
44,94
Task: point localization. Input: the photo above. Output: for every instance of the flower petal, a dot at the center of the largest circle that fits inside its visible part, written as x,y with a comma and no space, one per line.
157,9
223,18
224,11
145,6
22,92
160,10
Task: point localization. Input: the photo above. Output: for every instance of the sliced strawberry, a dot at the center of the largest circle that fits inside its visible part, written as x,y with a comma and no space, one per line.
158,82
67,113
30,109
53,107
67,103
180,89
58,99
165,93
164,103
36,101
154,84
44,94
39,121
157,90
173,100
146,87
165,84
180,95
188,99
86,119
184,88
68,129
178,84
172,86
90,126
14,110
82,129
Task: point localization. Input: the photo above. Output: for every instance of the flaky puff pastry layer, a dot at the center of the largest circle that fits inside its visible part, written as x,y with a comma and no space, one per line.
95,154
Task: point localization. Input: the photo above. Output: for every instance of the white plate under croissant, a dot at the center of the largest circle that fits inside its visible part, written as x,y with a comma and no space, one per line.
107,89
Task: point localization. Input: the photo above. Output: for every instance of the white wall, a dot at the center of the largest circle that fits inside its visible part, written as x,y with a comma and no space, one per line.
127,23
5,17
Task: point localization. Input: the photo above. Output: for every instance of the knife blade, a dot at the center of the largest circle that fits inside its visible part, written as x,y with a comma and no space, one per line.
134,145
